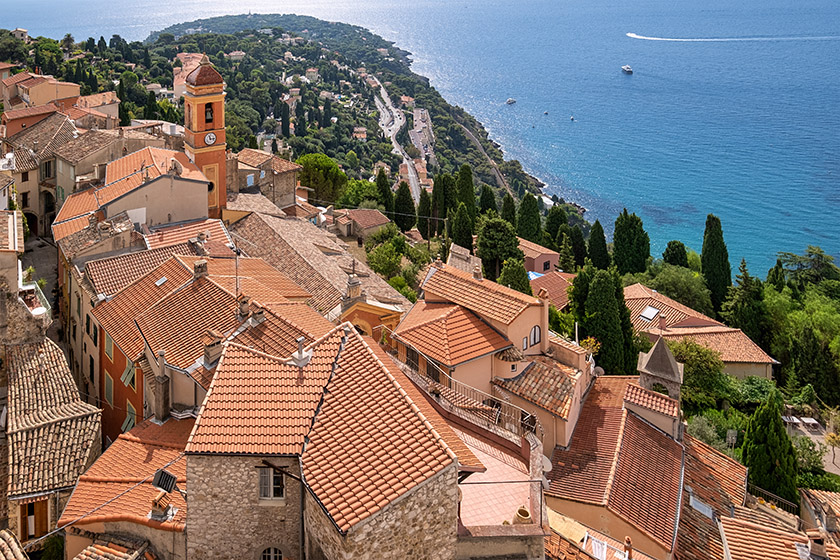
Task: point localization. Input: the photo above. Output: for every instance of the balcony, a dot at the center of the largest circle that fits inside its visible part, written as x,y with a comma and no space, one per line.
36,302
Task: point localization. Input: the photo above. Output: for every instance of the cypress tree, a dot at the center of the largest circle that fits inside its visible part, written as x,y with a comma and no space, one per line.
462,228
509,209
496,242
274,145
744,307
528,221
386,195
450,193
515,276
598,253
675,254
578,294
768,452
776,276
631,244
424,210
438,204
285,120
631,351
466,191
405,214
556,217
715,262
150,111
578,246
488,200
603,322
567,257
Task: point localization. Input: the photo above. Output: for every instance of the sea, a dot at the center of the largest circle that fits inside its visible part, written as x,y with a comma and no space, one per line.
733,108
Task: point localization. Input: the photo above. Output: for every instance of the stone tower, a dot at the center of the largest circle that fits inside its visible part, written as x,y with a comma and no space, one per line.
204,124
659,367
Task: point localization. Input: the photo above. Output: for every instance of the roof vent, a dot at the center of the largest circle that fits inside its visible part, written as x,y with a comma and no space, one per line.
816,544
161,507
161,281
301,357
628,548
199,269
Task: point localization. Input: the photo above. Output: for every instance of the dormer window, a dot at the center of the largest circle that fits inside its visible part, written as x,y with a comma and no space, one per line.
208,113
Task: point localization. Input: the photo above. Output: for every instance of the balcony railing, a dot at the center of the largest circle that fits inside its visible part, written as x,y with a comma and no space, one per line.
490,412
27,290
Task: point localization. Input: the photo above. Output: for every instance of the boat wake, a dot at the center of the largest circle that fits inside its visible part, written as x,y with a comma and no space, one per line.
735,39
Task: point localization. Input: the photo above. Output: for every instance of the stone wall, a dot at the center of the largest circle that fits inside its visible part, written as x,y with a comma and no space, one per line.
226,518
421,524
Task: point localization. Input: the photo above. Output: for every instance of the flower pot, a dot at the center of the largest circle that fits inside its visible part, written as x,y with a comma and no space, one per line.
522,517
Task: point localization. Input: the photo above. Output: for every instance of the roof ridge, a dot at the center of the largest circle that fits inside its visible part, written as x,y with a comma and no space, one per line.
53,420
616,454
779,532
134,439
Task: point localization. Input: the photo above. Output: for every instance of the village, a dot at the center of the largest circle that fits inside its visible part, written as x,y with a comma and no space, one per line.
201,363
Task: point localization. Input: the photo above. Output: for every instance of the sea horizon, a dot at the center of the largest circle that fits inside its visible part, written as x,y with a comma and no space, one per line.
730,110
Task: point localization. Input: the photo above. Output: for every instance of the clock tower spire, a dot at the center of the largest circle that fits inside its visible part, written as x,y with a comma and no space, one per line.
204,125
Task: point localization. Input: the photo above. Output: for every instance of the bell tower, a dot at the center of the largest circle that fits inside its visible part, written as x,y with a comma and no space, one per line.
204,130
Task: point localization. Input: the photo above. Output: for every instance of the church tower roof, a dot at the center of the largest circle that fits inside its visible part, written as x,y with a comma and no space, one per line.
660,363
204,74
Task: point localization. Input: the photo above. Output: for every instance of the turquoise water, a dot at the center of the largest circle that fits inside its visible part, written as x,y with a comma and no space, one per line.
745,124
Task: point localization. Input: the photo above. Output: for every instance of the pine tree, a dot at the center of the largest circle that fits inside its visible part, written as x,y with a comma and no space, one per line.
509,209
462,228
285,119
631,244
556,217
768,452
578,246
424,210
744,307
598,253
300,119
496,242
715,262
386,195
676,254
515,276
603,322
567,257
776,276
466,191
327,115
488,200
405,215
528,221
147,59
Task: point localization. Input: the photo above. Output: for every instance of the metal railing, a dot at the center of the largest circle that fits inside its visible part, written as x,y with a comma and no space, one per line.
488,411
42,299
773,499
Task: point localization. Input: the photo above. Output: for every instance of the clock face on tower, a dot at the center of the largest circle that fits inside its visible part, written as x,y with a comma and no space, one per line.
210,138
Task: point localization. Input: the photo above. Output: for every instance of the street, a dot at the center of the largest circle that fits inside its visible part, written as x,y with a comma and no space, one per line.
391,120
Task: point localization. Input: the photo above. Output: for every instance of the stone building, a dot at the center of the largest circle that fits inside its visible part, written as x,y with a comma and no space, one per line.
256,171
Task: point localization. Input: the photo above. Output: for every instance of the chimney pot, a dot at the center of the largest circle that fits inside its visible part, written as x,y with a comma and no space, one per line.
199,269
663,323
212,348
477,272
244,307
628,547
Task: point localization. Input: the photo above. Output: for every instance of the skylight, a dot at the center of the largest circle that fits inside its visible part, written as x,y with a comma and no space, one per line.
705,509
649,313
160,282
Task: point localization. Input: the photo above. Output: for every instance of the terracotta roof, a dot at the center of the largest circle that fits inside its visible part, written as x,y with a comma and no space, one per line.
761,514
637,297
558,547
460,258
10,547
85,145
301,209
50,431
91,234
76,113
368,218
97,100
534,251
17,78
167,235
330,405
69,227
25,112
250,202
11,231
105,550
484,297
565,343
732,344
110,275
652,401
745,540
448,333
129,464
717,481
257,278
617,460
313,258
545,383
204,74
39,141
256,158
557,284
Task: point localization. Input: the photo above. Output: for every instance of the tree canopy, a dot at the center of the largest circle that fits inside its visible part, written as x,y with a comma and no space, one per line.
322,174
496,242
768,452
675,254
509,209
515,276
528,221
405,214
631,244
598,253
488,200
462,228
425,225
715,262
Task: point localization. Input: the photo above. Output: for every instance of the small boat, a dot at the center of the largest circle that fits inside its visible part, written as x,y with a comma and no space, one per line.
510,101
545,113
572,118
626,69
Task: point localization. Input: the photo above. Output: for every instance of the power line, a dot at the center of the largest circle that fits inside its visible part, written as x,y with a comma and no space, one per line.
387,212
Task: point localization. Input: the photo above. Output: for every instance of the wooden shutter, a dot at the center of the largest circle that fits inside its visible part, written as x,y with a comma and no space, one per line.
42,514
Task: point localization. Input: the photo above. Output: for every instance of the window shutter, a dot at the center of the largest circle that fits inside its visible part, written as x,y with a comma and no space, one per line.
128,374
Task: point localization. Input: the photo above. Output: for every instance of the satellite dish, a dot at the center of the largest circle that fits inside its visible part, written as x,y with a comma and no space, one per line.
546,464
164,481
599,371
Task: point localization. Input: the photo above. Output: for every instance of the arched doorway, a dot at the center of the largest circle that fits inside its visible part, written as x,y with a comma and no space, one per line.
32,222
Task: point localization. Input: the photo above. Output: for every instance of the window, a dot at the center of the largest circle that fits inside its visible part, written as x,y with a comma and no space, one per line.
87,323
95,335
262,174
649,313
109,389
525,343
536,335
512,367
130,416
208,113
78,305
24,198
90,367
109,346
24,177
272,485
412,358
271,553
546,265
128,376
249,180
33,517
47,170
74,330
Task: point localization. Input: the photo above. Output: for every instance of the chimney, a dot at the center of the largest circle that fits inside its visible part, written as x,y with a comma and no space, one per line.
354,287
257,315
663,323
816,544
212,348
160,390
301,357
93,220
199,269
203,236
161,507
244,307
121,133
477,272
628,548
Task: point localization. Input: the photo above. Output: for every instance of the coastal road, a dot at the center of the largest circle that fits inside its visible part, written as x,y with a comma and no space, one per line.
391,120
499,177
